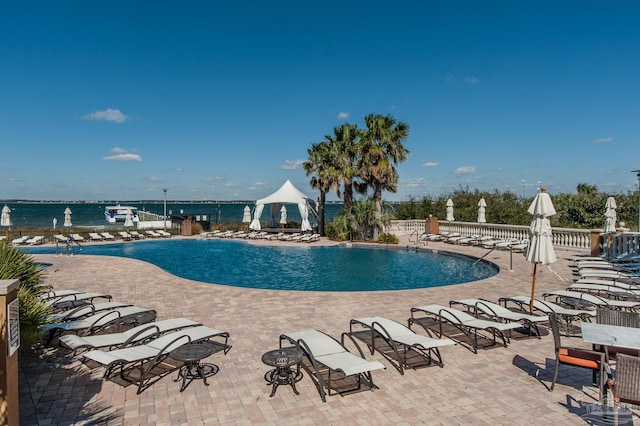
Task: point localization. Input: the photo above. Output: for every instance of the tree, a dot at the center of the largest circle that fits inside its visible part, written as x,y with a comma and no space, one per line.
381,149
345,158
324,176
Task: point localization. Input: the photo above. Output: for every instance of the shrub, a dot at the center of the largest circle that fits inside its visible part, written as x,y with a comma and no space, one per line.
388,239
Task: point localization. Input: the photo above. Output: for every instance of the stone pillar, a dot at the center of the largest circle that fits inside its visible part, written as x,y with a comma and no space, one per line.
432,226
186,227
10,331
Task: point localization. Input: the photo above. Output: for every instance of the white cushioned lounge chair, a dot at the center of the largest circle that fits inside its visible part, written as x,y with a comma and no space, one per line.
139,364
130,337
577,298
86,310
462,321
107,236
498,312
330,365
397,343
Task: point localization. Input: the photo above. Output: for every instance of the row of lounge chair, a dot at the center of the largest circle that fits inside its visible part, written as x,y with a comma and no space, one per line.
263,235
92,236
476,240
118,336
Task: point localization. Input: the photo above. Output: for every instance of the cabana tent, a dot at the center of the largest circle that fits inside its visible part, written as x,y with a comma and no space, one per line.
287,194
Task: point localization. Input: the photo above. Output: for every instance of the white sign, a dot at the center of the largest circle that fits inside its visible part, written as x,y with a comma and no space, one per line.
13,326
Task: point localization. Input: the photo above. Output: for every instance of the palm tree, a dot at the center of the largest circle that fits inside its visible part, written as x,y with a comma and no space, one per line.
345,158
382,149
324,176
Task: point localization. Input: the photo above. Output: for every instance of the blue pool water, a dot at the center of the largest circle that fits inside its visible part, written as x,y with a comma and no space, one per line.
236,263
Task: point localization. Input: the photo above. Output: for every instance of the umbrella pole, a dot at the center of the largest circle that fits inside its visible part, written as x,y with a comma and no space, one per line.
533,288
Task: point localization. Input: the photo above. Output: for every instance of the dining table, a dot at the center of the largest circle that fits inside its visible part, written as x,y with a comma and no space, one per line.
610,335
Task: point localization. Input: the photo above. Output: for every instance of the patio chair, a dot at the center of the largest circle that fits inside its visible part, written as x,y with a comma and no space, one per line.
547,307
163,233
136,235
133,336
77,237
101,321
152,234
147,363
464,322
59,238
94,236
107,236
124,235
397,343
580,299
626,387
51,294
34,241
330,364
497,312
20,240
577,357
604,290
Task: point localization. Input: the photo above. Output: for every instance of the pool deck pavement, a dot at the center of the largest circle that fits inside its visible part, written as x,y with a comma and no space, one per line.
496,386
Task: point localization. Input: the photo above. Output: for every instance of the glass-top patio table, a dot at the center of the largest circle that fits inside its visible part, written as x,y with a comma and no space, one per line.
611,335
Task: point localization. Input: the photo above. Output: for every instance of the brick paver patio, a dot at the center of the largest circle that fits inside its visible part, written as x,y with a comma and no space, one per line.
497,386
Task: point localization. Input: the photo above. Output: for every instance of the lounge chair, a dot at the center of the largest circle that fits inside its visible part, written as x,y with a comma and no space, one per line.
77,237
107,236
74,300
94,236
146,359
310,238
136,235
330,365
86,310
606,290
93,324
464,322
59,238
124,235
20,240
397,343
51,294
164,233
152,234
497,312
582,299
34,241
547,307
130,337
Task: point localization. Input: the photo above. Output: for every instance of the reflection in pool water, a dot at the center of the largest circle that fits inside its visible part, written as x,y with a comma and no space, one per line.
236,263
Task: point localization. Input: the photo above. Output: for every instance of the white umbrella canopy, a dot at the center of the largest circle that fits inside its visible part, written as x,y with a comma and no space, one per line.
283,215
482,205
6,216
610,216
450,217
540,248
246,216
128,219
67,217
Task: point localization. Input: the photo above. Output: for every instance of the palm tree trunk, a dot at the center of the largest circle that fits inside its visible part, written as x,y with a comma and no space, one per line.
321,212
377,198
348,194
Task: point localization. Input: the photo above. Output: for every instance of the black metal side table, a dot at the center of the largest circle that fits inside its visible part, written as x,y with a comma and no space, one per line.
283,359
191,354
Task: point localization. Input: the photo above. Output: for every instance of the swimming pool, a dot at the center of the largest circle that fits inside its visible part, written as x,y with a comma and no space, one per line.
317,268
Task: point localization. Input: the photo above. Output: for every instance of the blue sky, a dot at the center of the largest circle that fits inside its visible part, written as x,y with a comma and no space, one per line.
221,100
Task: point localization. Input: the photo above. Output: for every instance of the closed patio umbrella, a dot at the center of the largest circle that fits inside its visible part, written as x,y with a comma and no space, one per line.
610,218
67,218
246,215
540,247
283,217
128,219
6,219
481,214
450,217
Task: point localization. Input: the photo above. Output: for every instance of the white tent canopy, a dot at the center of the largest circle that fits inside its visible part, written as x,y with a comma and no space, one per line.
287,194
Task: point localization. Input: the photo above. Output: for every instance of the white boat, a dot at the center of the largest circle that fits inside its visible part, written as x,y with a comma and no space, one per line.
119,213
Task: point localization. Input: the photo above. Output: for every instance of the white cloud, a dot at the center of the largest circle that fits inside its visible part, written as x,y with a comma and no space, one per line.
603,140
292,164
417,183
214,180
343,115
466,170
431,164
154,179
471,80
119,150
258,185
111,115
123,157
177,170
